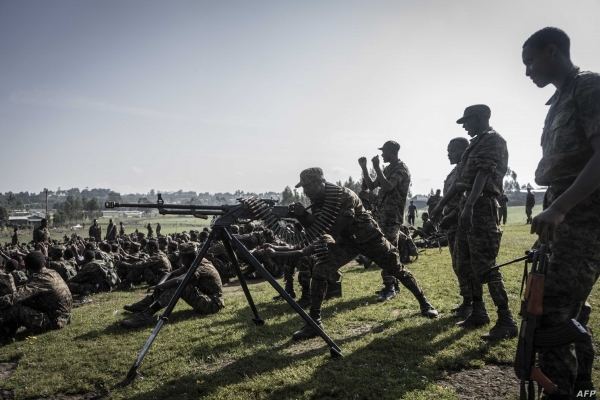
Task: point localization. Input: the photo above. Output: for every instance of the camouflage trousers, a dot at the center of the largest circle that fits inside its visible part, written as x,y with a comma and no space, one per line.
475,251
502,215
201,303
464,285
13,317
271,266
572,272
130,275
89,281
373,245
151,277
396,237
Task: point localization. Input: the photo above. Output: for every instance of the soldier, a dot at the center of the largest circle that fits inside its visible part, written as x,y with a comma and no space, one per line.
529,204
356,233
15,237
111,232
432,202
44,303
153,268
65,269
570,221
150,231
95,276
158,229
41,234
480,180
393,182
449,224
503,210
121,229
427,230
95,231
203,292
412,213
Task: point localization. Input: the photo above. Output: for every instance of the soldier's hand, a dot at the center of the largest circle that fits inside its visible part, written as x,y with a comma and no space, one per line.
466,218
544,225
299,209
362,162
375,161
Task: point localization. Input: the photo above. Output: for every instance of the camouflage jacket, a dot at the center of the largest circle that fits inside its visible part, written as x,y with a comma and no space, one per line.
95,231
157,263
391,203
64,269
530,201
207,279
47,292
452,206
95,272
41,235
572,120
111,232
487,152
502,200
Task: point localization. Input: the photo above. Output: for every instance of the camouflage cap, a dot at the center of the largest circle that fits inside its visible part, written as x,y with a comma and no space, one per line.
188,248
309,175
477,109
390,145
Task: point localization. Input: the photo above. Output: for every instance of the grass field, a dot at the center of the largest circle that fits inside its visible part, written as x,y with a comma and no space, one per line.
391,352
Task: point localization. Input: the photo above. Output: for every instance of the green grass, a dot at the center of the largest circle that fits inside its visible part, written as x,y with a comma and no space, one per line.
390,351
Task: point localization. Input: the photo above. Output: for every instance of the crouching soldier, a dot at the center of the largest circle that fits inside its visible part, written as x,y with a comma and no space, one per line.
203,292
42,304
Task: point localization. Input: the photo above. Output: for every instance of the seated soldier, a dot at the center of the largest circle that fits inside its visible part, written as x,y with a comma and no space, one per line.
65,269
19,275
203,292
95,276
42,304
153,268
427,230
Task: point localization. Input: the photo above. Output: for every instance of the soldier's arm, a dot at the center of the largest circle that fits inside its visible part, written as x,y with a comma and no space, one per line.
586,183
366,177
452,192
23,293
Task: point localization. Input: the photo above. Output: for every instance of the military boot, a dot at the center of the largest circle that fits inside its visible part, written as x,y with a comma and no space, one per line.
318,290
505,327
387,293
139,319
427,310
124,285
140,305
463,311
478,317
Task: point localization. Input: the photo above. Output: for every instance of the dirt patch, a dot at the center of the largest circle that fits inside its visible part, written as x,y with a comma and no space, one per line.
491,382
86,396
7,370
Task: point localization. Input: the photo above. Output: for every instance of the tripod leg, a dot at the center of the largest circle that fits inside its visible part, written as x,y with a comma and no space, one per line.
132,374
334,350
257,319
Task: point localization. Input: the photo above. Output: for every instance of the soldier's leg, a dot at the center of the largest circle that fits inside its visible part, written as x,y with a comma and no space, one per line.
338,256
305,266
391,233
464,285
584,351
387,257
289,268
202,303
20,315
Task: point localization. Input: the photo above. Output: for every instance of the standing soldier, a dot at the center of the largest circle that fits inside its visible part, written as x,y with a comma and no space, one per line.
432,202
503,210
355,232
111,232
529,204
158,229
41,234
412,213
15,237
150,231
393,182
95,231
570,222
479,181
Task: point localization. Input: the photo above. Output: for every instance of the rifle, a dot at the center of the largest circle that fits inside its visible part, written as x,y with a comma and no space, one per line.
531,338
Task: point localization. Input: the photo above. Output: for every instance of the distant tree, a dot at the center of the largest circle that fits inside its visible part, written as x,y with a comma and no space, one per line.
287,196
3,216
152,193
114,196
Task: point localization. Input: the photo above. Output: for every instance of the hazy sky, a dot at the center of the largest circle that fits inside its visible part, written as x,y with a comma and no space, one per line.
226,95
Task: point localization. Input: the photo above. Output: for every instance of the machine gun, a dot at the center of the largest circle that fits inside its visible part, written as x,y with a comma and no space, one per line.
251,208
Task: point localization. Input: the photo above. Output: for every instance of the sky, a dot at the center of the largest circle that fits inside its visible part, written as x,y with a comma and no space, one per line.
216,96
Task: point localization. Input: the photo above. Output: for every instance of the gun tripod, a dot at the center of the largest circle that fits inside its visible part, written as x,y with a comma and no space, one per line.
220,232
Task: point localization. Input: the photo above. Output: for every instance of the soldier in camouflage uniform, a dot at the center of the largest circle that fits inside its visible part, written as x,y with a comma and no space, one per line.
158,229
41,234
58,263
355,232
529,204
479,181
15,237
43,304
95,276
412,213
503,210
111,232
152,268
427,230
393,182
570,222
150,231
203,292
449,224
432,202
95,231
121,229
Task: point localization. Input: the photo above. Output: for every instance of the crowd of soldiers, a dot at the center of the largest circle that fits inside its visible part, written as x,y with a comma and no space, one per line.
40,278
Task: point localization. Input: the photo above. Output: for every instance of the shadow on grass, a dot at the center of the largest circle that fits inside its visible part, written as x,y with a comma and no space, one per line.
385,368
